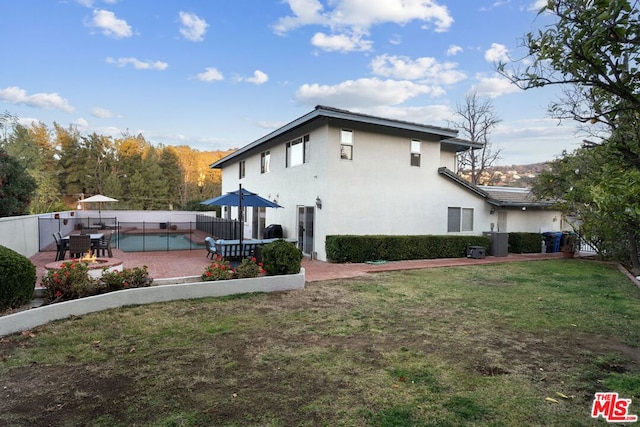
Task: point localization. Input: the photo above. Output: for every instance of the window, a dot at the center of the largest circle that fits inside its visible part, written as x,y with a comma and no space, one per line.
298,151
459,219
241,169
265,162
346,144
416,150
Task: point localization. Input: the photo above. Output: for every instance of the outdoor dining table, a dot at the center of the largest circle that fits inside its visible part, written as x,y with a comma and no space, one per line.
95,238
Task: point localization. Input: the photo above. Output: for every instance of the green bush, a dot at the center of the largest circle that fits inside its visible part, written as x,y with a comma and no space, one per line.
349,248
525,243
17,279
281,257
72,281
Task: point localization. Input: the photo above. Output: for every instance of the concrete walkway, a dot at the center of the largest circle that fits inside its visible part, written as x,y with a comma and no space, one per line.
176,264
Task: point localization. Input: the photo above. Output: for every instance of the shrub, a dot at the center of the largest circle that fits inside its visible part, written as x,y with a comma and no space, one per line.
281,257
18,279
70,281
137,277
350,248
249,267
525,243
218,270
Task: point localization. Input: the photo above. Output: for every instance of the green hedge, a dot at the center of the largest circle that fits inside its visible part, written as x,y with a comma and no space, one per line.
525,243
17,279
349,248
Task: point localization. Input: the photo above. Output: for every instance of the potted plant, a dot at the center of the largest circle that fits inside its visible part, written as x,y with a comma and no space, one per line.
569,244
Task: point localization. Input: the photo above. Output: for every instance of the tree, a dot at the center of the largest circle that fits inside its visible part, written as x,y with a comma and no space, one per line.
16,186
477,119
592,50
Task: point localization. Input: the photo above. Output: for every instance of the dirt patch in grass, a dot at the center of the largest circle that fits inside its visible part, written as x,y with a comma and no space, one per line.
391,349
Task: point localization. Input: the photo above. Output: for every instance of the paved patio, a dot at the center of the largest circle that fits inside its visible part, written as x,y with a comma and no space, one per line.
174,264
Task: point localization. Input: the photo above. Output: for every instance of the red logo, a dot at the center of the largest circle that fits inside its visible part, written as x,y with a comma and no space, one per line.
612,408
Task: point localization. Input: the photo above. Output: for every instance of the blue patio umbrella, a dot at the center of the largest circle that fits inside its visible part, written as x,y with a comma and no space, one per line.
241,198
248,199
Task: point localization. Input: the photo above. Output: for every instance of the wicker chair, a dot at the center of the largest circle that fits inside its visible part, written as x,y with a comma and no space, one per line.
104,246
61,246
79,245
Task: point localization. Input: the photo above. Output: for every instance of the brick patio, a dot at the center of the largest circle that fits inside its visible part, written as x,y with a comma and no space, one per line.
170,264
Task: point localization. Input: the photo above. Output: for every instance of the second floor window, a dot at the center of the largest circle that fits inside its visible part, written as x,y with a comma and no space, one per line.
265,162
298,151
346,144
416,150
241,169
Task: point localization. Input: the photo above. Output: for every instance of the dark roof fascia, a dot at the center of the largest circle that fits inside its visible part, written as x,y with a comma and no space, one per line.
335,113
494,202
461,144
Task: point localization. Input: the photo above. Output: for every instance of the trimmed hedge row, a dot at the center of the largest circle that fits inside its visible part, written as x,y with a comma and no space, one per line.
17,279
525,243
350,248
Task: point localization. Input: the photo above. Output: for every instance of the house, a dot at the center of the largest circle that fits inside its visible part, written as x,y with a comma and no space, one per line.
338,172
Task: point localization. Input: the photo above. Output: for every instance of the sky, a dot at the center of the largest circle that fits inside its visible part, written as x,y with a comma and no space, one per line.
219,74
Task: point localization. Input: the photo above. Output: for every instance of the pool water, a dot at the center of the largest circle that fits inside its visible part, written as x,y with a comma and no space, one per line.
153,242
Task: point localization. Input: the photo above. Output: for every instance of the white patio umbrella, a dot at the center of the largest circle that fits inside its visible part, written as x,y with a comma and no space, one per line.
99,199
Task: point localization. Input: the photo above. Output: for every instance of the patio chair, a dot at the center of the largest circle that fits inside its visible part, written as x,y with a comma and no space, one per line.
79,245
104,246
61,247
211,246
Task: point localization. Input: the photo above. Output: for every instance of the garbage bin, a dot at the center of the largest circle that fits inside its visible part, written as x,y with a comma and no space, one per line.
499,243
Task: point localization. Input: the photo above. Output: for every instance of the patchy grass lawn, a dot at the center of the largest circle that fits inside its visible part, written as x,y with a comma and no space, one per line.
483,345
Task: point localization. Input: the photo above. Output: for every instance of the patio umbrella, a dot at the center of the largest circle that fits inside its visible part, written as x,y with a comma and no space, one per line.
241,198
99,199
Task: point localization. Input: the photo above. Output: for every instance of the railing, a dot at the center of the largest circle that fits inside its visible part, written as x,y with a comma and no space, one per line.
218,227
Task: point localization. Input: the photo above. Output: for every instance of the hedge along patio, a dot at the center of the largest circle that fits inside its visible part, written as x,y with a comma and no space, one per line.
159,292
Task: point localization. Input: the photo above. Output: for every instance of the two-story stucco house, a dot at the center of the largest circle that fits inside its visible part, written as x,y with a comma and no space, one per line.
338,172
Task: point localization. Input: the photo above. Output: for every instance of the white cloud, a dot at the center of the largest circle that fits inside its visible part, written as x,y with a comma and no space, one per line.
428,114
539,4
494,86
80,122
101,113
15,95
258,78
193,27
454,50
138,64
497,53
110,26
363,93
210,74
340,42
357,16
426,69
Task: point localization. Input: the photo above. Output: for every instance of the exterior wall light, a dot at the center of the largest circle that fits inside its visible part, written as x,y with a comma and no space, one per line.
318,202
492,211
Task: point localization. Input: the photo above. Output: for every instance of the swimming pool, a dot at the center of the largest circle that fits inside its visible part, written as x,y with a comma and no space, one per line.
154,242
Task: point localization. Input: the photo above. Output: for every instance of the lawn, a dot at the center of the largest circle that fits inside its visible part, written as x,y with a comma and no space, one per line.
490,345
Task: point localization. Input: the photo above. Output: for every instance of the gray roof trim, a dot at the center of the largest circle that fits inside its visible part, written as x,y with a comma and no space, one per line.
448,135
461,144
485,195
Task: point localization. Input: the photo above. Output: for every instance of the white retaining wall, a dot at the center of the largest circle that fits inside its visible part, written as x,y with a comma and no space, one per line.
29,319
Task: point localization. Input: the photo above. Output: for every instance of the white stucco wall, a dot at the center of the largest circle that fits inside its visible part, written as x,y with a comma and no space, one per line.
20,233
378,192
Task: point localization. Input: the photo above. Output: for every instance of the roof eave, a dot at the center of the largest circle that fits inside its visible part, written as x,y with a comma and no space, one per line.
334,113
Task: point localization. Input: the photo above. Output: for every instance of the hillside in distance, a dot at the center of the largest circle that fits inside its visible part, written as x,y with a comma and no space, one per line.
509,176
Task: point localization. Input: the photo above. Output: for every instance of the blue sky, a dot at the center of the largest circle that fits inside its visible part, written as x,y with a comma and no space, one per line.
220,74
